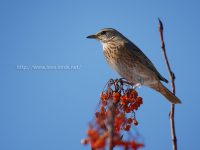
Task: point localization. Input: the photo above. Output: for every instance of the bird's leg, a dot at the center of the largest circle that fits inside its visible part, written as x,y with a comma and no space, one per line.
137,85
124,81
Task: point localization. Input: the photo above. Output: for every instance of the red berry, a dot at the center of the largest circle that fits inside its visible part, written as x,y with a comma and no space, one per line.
139,100
84,141
129,120
127,110
135,122
127,127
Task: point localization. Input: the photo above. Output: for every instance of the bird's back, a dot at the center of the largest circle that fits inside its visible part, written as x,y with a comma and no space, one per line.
136,52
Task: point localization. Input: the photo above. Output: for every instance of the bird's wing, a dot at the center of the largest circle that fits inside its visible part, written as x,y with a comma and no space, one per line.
143,59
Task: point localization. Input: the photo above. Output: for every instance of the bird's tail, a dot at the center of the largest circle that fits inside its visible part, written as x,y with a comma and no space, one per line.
168,94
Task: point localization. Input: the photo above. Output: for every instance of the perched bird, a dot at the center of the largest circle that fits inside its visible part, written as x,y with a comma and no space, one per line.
130,62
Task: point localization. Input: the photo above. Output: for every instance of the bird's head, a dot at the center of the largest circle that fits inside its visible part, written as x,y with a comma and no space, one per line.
106,35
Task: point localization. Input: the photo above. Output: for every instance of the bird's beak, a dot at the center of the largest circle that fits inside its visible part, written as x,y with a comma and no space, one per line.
92,36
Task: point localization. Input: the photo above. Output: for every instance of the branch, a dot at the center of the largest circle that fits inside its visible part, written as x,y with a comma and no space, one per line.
172,78
111,117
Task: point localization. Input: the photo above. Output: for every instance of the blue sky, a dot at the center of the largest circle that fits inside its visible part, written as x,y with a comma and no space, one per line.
50,109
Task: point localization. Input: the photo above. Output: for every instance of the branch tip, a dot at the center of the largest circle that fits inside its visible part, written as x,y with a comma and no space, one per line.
160,24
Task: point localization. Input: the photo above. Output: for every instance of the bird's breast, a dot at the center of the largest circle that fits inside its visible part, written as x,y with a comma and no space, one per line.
125,64
116,54
119,59
112,53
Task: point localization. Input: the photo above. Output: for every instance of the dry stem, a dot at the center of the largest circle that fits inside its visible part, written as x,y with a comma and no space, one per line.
172,78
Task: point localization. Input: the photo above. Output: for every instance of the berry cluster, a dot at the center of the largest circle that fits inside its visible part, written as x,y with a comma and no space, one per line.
116,115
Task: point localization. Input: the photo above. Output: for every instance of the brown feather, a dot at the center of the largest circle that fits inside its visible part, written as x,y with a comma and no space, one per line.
166,93
143,59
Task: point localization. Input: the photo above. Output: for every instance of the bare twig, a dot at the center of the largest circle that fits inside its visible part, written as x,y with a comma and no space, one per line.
172,78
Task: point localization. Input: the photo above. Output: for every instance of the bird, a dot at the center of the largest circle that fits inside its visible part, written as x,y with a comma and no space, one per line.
131,63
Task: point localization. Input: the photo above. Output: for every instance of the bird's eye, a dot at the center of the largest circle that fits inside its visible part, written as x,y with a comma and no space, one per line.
103,32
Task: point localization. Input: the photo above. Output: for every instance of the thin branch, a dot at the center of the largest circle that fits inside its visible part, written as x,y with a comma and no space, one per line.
172,78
